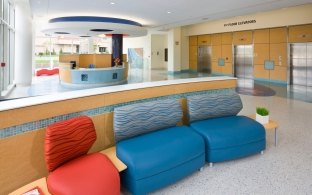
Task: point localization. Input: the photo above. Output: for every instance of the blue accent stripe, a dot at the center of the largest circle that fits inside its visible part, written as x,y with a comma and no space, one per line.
94,19
35,125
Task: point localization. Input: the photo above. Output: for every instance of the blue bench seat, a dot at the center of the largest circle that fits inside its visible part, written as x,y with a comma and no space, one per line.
160,158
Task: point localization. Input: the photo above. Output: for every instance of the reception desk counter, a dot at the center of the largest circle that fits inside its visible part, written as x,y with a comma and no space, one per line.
92,77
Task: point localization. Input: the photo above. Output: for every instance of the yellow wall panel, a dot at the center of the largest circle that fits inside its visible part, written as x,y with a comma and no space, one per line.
260,72
279,73
261,53
66,58
242,38
204,40
227,38
216,52
261,36
227,54
193,65
278,35
215,68
193,53
193,41
227,68
216,39
299,34
278,53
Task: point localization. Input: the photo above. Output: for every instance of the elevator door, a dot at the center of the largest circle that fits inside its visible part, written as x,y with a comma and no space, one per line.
204,59
243,61
301,64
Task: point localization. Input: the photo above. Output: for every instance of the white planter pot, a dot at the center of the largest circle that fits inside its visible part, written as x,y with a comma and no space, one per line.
262,119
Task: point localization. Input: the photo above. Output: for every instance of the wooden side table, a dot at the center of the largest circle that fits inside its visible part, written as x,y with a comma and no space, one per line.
270,125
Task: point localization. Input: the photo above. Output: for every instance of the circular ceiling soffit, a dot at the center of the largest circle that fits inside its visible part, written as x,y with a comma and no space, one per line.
62,33
93,26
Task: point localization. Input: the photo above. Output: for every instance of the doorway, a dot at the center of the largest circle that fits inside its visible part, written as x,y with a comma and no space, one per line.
204,59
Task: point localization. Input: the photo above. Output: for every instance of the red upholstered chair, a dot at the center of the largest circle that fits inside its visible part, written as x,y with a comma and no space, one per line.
72,170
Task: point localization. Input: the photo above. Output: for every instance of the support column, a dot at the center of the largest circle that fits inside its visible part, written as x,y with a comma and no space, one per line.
116,48
174,50
23,43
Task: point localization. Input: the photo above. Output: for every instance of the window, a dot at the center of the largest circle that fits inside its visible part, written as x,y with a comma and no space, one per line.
7,42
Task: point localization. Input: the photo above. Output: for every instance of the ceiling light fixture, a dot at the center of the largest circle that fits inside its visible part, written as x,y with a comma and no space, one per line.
112,3
168,12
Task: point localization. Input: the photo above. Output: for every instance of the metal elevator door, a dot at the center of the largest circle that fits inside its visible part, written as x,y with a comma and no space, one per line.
301,64
243,56
204,59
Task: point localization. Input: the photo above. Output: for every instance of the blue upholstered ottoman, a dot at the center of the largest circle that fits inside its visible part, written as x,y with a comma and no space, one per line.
230,137
227,136
156,151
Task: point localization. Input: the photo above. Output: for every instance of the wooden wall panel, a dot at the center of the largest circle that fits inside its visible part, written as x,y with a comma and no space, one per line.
193,40
279,73
227,69
215,68
262,36
102,61
193,65
216,39
278,35
204,40
193,53
261,53
260,72
300,34
278,53
227,53
216,52
242,38
66,58
227,38
65,75
86,59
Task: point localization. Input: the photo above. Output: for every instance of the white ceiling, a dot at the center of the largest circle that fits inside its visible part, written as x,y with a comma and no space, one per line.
153,13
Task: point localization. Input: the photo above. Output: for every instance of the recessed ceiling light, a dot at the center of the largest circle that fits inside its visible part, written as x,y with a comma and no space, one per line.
112,3
168,12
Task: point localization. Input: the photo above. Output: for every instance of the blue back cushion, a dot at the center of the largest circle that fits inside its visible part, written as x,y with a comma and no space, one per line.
140,118
206,106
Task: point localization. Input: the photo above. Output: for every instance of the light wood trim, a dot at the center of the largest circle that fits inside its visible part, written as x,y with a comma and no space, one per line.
242,37
216,39
41,183
65,75
270,125
111,154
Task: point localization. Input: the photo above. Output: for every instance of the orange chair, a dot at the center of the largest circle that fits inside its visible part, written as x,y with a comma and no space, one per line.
72,170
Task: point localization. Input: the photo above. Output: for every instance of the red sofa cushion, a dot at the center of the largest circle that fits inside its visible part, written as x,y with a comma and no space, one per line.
67,140
90,174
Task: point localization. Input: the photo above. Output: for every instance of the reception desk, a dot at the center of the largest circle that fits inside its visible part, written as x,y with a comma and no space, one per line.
92,77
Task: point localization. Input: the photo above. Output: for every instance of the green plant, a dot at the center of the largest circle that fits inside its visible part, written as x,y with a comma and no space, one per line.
262,111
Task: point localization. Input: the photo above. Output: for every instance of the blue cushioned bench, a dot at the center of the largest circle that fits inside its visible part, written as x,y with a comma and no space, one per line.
227,136
155,150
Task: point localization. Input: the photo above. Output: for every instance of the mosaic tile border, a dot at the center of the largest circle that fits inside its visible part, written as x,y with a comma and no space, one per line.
32,126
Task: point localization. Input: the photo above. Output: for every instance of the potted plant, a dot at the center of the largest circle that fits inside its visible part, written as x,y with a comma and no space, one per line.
262,115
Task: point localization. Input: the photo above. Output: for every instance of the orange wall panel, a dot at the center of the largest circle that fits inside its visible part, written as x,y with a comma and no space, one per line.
216,39
262,36
216,52
299,34
279,73
227,68
215,67
278,35
204,40
242,38
227,53
278,53
261,53
227,38
260,72
193,40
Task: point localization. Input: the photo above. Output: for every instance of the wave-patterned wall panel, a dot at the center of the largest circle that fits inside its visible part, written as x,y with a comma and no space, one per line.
213,105
140,118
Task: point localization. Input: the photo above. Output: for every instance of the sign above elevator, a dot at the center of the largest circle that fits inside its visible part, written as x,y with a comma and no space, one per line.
240,23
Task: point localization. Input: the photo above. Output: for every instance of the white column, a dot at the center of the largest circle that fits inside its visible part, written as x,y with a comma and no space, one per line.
174,50
23,43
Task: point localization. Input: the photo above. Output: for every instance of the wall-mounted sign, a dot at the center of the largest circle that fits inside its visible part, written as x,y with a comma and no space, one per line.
240,23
